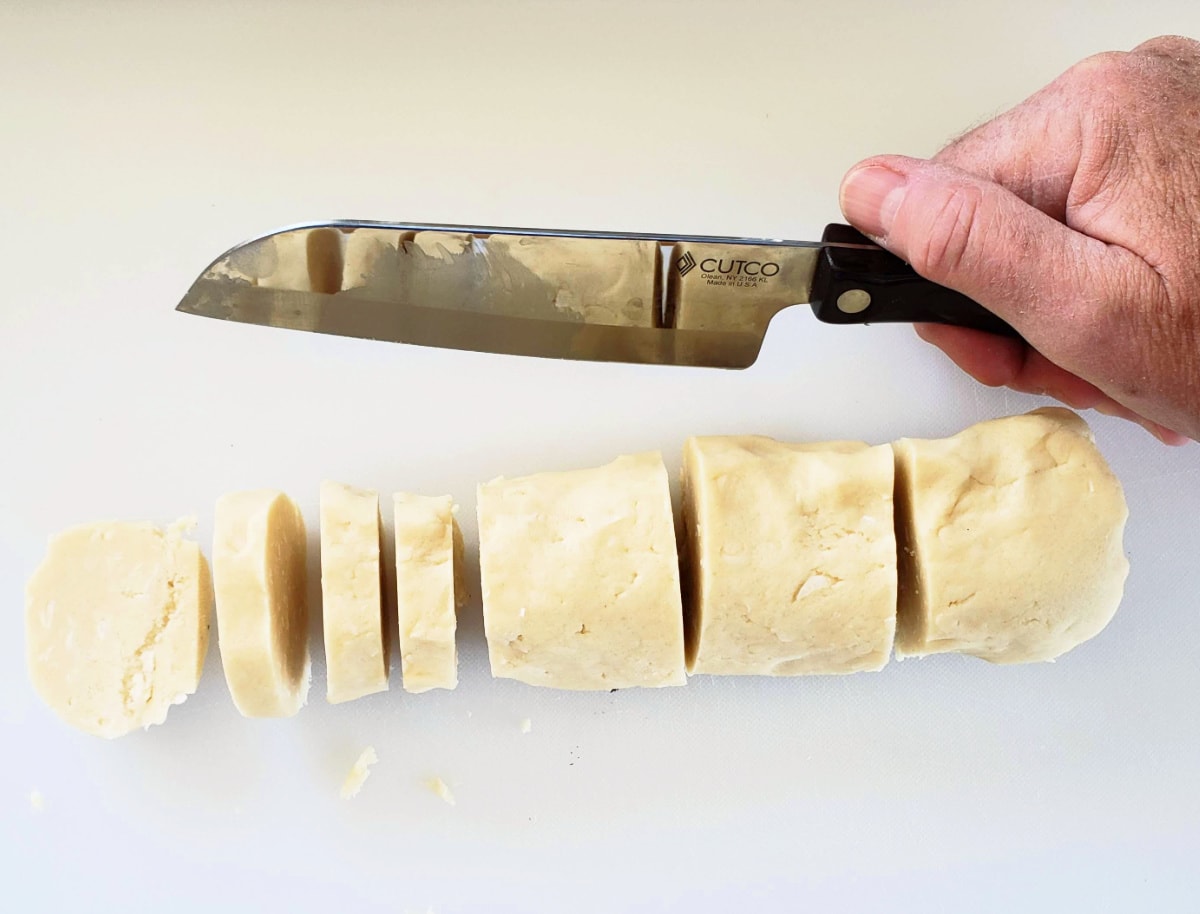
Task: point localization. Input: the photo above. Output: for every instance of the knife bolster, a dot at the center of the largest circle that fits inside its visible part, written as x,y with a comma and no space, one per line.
870,285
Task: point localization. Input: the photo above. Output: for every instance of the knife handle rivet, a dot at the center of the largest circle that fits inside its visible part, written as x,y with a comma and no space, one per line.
854,301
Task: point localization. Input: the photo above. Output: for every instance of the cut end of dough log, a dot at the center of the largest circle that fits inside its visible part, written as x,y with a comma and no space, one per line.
116,624
1010,541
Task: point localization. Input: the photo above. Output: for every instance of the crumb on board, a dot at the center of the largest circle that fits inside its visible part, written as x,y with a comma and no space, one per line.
359,773
526,725
36,802
438,786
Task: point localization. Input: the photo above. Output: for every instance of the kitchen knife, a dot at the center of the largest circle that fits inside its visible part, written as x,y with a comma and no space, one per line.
601,296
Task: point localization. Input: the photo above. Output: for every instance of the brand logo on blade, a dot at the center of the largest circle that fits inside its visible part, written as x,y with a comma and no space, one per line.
731,267
729,270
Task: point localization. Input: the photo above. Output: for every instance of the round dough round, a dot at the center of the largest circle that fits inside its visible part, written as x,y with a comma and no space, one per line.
259,569
116,624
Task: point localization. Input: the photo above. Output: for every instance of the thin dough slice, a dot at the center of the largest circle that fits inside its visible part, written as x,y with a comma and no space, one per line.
581,577
792,556
1010,539
262,604
356,648
429,588
116,624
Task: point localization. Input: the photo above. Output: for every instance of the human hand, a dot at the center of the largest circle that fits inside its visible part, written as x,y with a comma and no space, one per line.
1075,216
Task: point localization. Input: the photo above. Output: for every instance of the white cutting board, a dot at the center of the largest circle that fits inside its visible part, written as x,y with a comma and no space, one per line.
140,140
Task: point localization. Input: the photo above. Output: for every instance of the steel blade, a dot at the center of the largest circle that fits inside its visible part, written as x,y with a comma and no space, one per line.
353,315
600,296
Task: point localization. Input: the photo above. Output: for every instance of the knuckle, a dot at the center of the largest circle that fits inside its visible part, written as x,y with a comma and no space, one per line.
1100,67
1147,75
1175,46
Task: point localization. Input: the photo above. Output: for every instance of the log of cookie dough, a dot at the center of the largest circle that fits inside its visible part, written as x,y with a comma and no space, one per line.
1010,539
429,588
791,555
116,624
356,655
581,577
262,608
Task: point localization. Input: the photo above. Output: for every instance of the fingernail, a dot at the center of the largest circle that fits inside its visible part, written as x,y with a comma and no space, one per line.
870,197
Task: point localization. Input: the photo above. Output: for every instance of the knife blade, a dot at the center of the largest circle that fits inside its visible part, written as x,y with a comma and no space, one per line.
695,300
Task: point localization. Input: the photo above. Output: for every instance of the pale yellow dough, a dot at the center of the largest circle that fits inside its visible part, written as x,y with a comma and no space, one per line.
439,787
358,774
116,624
1011,541
581,577
259,569
429,588
356,655
792,556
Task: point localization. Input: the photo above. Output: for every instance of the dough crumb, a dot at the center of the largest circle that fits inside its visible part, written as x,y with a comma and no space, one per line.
35,800
526,725
359,773
182,526
438,786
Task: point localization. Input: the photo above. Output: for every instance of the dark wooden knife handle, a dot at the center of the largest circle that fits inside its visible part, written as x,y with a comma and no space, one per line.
871,285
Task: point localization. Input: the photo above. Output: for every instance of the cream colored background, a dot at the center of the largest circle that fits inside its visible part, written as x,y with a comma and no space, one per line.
141,139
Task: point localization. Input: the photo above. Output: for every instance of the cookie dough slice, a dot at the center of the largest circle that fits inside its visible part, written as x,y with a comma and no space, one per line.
429,588
791,556
262,607
580,577
1010,539
356,649
116,624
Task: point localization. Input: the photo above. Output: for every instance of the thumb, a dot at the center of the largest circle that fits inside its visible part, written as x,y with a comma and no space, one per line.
980,239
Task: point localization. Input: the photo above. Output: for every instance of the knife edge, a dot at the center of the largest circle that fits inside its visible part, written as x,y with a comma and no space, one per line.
355,314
